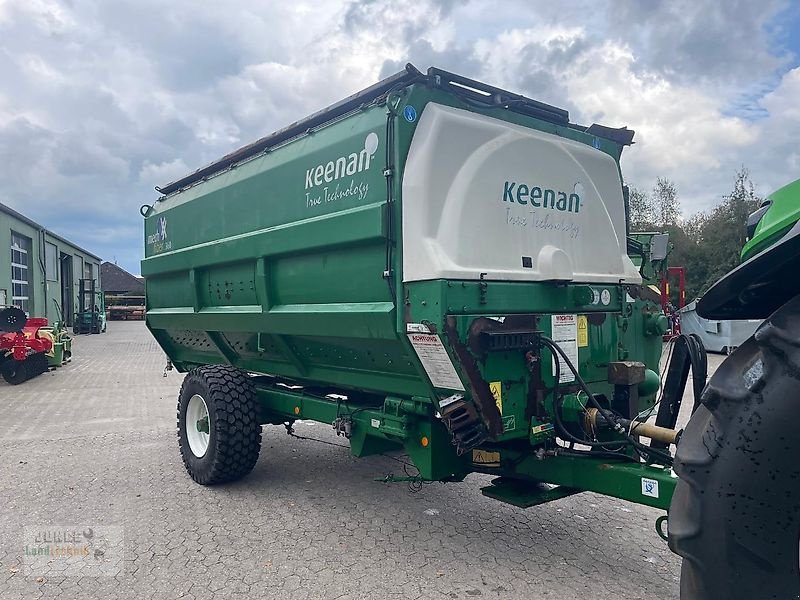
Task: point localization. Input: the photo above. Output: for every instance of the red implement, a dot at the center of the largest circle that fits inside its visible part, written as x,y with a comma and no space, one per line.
22,352
27,341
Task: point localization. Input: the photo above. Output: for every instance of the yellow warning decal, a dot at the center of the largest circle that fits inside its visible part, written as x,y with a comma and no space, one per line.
484,457
583,331
496,387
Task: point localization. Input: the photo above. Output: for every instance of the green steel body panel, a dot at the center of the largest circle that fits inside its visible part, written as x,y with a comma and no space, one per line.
623,480
783,213
289,265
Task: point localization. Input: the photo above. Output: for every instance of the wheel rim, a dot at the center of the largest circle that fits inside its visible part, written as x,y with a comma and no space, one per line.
197,425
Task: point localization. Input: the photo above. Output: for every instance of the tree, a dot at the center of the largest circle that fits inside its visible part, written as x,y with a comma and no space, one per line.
707,244
724,231
656,211
642,210
665,202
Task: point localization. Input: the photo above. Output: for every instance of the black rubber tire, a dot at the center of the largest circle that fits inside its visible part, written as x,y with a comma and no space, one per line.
15,371
234,430
37,364
735,514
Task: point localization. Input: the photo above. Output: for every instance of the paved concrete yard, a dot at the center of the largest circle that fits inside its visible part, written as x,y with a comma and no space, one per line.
93,445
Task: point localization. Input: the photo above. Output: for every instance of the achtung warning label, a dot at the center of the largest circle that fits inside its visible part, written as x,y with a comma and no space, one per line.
435,361
564,330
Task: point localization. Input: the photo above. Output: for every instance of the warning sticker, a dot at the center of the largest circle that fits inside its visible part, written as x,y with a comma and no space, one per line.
496,387
565,335
583,331
543,428
435,361
649,487
485,457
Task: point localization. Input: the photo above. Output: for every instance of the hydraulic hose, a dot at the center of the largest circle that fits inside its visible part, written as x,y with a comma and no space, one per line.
630,440
557,402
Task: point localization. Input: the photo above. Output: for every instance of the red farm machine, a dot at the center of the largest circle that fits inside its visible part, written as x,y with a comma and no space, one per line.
672,310
29,346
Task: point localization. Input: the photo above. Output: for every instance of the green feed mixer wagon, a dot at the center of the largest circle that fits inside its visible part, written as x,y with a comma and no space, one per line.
442,268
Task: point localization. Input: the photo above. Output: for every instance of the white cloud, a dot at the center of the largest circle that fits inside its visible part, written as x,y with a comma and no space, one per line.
783,100
99,102
775,157
40,71
48,16
681,132
514,51
159,174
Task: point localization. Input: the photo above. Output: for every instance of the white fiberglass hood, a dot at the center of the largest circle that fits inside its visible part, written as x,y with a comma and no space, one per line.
483,196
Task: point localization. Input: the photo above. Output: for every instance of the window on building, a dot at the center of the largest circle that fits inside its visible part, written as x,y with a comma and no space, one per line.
88,270
51,261
20,271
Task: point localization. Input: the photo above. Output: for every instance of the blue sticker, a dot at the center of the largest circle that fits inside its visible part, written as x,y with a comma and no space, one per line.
596,142
410,113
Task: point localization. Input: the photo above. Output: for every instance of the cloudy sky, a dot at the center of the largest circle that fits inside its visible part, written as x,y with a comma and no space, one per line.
101,100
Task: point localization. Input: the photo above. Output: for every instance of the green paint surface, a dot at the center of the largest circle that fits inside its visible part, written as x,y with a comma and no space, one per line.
289,265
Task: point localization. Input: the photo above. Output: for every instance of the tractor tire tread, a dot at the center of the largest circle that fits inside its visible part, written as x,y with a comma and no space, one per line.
736,487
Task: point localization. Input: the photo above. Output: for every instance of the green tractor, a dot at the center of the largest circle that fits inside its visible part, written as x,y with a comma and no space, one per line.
439,267
735,514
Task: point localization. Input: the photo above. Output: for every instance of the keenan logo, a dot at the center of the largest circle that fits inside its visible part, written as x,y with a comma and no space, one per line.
343,166
541,197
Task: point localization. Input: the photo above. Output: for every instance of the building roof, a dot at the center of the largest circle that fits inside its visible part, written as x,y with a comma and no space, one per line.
117,279
10,211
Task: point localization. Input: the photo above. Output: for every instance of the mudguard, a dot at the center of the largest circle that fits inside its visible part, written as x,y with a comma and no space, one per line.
759,286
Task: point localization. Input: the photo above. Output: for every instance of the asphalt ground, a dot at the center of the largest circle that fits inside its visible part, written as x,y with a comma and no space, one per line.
89,461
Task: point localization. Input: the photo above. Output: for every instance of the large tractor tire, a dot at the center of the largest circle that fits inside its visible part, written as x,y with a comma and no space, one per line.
218,429
735,515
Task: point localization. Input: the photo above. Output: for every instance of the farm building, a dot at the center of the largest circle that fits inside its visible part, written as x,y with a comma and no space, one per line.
117,281
40,271
124,292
